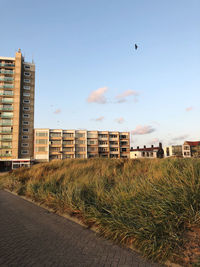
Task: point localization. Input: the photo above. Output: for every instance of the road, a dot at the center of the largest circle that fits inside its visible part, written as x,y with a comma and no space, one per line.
33,236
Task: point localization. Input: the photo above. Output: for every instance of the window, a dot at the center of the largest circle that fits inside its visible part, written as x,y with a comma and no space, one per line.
80,149
26,101
26,87
7,114
41,149
80,142
27,80
25,145
41,133
56,142
41,141
80,135
25,130
26,108
27,67
67,142
27,74
103,142
113,149
24,151
26,94
70,135
55,134
103,135
68,149
26,116
25,123
113,136
24,136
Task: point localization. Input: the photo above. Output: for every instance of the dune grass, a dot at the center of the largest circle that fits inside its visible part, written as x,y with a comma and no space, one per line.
146,204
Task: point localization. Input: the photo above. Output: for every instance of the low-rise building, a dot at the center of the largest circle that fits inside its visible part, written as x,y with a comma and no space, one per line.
52,144
173,151
147,152
191,149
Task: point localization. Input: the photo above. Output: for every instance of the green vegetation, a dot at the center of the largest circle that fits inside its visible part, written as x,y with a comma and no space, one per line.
146,204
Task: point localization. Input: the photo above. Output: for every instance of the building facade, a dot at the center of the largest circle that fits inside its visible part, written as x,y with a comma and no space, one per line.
191,149
147,152
52,144
17,86
173,151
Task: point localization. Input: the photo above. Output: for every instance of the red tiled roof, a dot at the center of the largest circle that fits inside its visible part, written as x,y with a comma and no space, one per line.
145,149
193,143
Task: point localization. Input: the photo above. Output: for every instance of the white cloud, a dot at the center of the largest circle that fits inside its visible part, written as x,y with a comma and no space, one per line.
189,108
121,98
57,111
120,120
99,119
141,130
97,96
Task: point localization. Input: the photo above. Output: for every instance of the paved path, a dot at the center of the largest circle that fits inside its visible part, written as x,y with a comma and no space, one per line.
32,236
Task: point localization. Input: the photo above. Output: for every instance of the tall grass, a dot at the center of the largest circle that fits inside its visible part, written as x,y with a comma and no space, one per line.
146,204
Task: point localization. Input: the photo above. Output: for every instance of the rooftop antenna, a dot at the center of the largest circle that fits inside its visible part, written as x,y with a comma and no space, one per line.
32,59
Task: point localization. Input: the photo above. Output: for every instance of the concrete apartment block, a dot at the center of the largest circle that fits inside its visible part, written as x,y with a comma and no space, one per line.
61,144
17,86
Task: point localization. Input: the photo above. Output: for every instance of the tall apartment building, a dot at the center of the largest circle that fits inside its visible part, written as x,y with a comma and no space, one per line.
60,144
17,85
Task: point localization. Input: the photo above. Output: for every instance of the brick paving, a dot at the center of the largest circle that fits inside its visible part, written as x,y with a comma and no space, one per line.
33,236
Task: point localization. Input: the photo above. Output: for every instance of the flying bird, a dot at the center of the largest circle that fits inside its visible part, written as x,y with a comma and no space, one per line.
136,46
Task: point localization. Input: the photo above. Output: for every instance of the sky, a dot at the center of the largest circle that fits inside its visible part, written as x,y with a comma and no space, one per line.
89,76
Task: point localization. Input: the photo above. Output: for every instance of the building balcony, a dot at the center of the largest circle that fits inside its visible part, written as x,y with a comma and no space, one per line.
7,65
5,155
55,138
7,79
69,152
112,145
5,146
103,138
7,86
6,108
65,145
6,139
5,132
56,145
7,71
6,123
7,94
6,101
6,116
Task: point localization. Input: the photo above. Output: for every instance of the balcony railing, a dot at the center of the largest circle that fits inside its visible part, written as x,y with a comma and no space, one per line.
7,94
5,79
7,131
5,146
7,65
6,139
6,109
7,101
7,86
6,116
7,71
9,123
